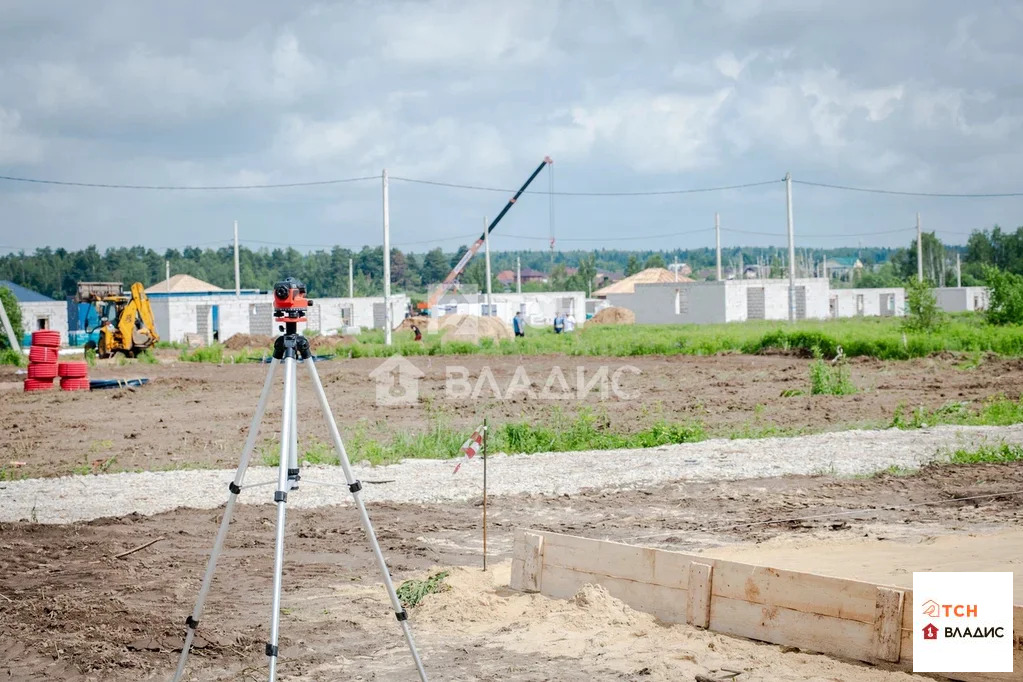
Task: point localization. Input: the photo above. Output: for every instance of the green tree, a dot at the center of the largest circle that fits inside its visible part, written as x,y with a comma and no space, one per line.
435,267
13,314
1006,304
922,312
632,266
655,260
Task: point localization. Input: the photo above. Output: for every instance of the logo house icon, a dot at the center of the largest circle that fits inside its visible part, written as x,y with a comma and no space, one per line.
930,631
932,608
397,381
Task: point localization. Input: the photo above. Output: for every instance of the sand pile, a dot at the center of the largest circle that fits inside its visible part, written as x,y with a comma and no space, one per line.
406,324
243,341
470,328
613,315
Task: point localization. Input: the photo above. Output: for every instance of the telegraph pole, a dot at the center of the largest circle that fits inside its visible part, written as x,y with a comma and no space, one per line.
717,240
919,251
792,249
387,264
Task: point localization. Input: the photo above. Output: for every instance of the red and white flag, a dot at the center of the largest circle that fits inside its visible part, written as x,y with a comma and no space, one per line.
472,446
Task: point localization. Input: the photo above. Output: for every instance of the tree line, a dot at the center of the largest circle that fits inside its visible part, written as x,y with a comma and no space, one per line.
56,272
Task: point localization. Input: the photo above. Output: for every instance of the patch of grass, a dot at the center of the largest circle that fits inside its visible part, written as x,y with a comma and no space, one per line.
9,356
897,470
171,344
988,454
995,411
411,592
830,378
213,353
148,358
792,392
90,357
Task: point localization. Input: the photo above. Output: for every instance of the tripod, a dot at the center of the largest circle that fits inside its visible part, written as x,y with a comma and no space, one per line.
289,349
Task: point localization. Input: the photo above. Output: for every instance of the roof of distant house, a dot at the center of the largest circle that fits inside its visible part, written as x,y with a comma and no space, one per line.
530,272
648,276
845,262
24,295
182,284
506,276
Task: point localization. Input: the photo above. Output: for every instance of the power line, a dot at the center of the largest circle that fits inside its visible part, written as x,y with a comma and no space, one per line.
946,195
611,239
588,194
108,185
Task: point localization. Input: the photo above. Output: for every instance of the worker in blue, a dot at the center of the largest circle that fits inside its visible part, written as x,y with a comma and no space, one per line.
519,324
559,323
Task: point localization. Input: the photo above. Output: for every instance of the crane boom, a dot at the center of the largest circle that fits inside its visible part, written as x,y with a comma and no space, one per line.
474,249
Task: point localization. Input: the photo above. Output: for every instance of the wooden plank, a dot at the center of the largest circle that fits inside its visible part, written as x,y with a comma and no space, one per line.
907,613
698,595
778,625
888,624
642,564
805,592
666,603
527,568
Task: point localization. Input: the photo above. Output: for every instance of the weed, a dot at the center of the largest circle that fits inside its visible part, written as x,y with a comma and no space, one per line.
148,358
988,454
9,356
90,357
896,470
792,392
411,592
830,378
995,411
214,353
122,360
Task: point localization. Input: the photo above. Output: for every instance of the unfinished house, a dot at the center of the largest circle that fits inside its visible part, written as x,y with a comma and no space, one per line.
538,308
889,302
38,312
962,299
727,301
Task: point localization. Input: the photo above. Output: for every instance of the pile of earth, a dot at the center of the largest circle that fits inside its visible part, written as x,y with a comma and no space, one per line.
613,315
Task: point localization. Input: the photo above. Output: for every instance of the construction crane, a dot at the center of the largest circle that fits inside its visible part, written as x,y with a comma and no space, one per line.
439,290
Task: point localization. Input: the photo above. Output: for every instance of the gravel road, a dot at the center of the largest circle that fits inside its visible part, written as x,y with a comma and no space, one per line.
81,498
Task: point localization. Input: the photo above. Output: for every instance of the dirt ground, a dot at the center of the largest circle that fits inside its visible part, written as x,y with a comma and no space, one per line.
197,414
70,610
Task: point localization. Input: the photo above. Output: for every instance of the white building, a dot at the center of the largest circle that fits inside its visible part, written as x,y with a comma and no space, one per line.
186,305
962,299
333,315
728,301
887,302
38,311
538,308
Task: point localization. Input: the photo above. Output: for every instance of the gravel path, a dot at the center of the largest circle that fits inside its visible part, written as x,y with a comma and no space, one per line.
81,498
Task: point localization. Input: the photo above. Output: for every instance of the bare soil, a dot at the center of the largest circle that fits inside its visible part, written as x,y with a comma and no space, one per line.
70,610
197,414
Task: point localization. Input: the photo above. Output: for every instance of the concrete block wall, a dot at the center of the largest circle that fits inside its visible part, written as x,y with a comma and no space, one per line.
962,299
51,314
868,302
538,308
361,310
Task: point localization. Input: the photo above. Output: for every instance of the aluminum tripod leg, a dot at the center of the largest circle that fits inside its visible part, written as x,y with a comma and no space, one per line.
354,486
235,487
281,498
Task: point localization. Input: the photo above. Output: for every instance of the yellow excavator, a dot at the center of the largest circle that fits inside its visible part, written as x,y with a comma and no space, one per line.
126,323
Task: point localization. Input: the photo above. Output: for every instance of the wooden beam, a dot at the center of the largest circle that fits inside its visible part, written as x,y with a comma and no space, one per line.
698,595
888,624
527,565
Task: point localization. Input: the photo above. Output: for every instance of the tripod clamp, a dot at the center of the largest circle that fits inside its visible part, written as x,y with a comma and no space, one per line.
292,345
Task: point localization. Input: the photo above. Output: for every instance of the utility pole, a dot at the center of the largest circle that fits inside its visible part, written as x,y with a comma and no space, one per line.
237,279
959,271
717,240
676,268
351,278
919,251
486,255
792,249
518,274
166,281
387,263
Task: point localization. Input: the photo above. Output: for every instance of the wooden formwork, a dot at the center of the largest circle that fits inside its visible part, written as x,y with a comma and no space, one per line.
848,619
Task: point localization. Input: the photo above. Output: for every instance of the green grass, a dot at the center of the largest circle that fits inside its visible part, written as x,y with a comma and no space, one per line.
411,592
988,454
148,358
830,378
9,356
879,337
995,411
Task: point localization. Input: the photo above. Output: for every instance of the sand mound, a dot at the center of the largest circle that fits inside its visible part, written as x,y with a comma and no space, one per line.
598,602
242,341
406,324
470,328
613,315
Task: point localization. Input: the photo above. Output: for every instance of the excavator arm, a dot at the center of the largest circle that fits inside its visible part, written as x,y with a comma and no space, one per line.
439,290
136,324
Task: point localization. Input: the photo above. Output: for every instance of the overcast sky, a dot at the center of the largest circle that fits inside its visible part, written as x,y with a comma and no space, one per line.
627,95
